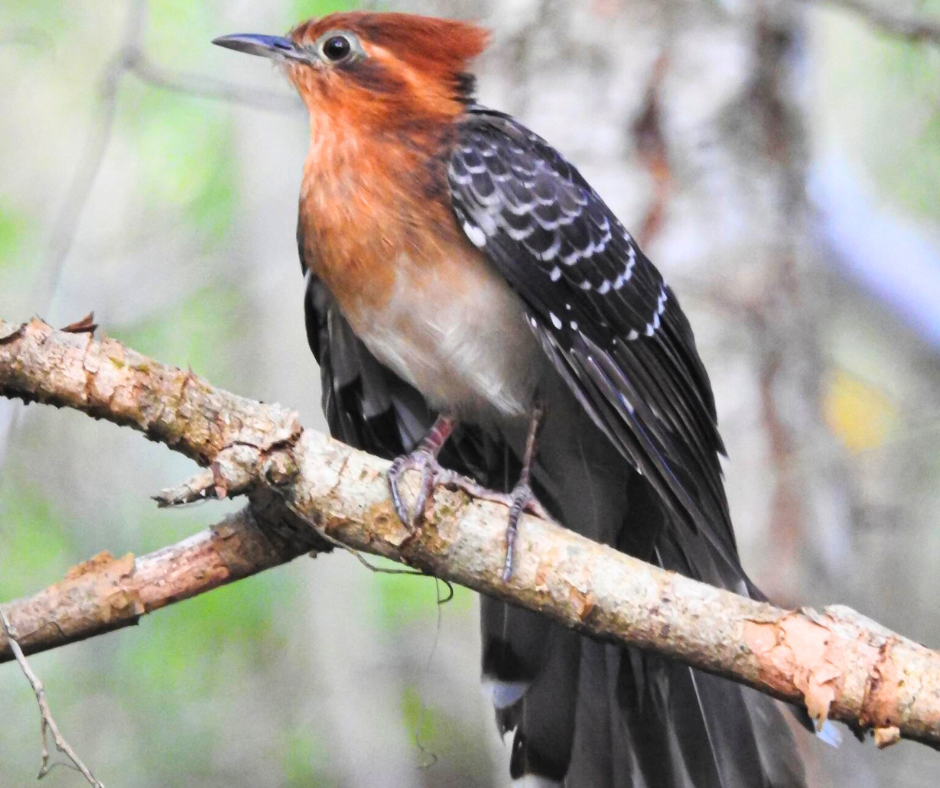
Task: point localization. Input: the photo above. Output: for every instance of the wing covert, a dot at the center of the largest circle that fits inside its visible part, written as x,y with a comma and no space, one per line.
610,324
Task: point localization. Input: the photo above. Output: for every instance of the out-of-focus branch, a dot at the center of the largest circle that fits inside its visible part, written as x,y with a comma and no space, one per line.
879,14
202,86
301,484
89,161
130,58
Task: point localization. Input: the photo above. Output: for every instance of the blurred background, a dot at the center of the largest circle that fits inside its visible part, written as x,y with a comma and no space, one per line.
780,162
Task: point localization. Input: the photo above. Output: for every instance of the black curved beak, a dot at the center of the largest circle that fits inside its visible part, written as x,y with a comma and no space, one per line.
274,47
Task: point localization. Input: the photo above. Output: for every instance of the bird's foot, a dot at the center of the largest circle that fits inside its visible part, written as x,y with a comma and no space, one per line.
520,500
423,461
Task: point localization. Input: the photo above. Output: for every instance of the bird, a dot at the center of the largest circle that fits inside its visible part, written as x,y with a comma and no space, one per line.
480,315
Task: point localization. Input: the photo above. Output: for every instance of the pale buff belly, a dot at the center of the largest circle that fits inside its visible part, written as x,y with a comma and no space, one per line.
460,336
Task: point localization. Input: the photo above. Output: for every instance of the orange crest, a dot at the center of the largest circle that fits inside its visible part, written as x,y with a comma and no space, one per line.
399,67
438,48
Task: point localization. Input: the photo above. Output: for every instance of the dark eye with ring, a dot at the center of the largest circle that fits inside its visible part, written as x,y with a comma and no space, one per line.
336,48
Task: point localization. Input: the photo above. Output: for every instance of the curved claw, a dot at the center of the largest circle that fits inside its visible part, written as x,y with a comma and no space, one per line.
419,460
521,499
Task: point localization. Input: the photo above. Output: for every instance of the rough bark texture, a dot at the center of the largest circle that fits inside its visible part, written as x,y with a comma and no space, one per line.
107,593
104,379
306,488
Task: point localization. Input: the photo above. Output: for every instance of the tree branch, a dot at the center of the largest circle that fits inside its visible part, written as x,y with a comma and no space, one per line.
301,485
107,593
202,86
889,20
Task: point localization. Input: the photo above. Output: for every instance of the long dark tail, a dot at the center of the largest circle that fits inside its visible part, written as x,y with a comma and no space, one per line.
590,715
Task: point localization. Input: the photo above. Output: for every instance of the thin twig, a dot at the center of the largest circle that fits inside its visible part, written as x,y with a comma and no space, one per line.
73,207
207,87
377,570
431,757
908,25
47,721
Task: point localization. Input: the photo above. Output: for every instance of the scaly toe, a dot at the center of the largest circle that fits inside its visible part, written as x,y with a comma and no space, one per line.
522,499
419,460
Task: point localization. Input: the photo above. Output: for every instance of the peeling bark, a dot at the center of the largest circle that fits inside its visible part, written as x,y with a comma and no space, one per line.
305,488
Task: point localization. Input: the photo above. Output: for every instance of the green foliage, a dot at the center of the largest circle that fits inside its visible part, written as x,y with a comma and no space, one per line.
32,22
402,599
183,652
304,759
187,333
14,241
180,31
418,718
193,664
440,736
906,79
879,92
34,548
185,153
305,9
12,229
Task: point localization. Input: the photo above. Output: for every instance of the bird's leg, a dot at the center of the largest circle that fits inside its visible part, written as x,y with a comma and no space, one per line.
522,499
423,459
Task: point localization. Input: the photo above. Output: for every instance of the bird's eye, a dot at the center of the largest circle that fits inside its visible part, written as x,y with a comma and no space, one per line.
336,48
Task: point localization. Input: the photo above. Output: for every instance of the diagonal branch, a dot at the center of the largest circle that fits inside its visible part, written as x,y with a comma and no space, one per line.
107,593
302,485
880,14
202,86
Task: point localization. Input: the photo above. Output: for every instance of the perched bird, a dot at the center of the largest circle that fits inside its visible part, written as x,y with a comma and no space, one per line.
475,306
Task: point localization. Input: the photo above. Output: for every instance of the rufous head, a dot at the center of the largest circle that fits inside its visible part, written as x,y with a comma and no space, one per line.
380,70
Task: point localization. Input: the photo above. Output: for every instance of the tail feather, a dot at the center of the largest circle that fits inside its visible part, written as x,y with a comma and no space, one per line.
543,719
514,647
594,715
775,742
603,752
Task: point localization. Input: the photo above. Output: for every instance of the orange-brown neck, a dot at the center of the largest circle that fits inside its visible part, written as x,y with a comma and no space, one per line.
374,194
369,204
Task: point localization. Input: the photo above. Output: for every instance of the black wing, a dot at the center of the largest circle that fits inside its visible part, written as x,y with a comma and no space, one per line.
610,324
365,404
